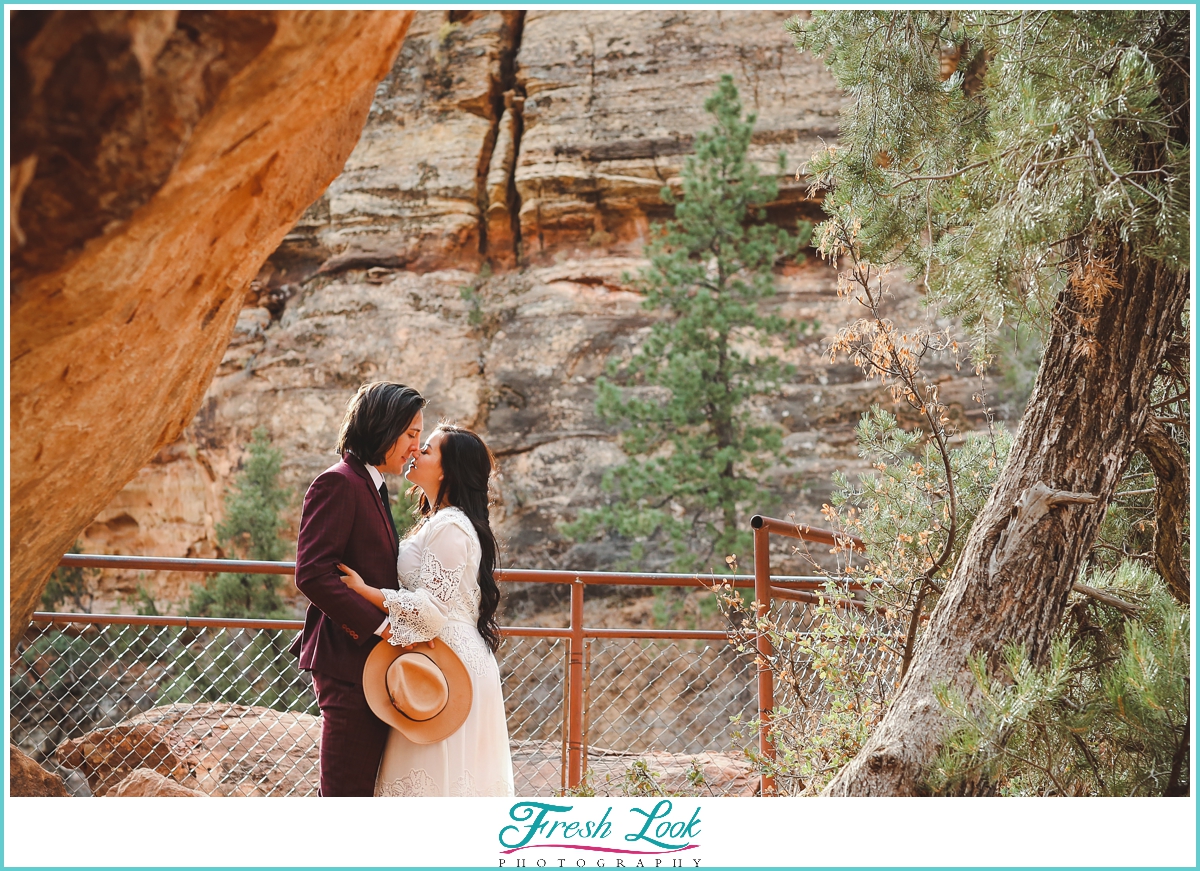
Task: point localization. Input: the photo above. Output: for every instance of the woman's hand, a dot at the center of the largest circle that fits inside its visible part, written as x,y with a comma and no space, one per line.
412,648
353,579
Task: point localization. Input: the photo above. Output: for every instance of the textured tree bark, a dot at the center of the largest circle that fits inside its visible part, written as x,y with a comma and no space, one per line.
1010,585
1171,487
159,158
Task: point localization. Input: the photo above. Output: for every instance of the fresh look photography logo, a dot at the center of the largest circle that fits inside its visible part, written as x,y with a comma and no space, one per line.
635,837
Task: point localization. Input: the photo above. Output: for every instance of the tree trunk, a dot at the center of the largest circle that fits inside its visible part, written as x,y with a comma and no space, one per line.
1028,543
1171,486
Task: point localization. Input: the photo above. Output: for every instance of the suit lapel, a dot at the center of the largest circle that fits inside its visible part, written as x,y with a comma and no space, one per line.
361,470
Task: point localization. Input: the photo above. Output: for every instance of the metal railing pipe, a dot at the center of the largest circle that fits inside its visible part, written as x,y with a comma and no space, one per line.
650,579
766,682
545,576
575,683
535,632
660,634
57,617
176,564
791,529
816,598
65,618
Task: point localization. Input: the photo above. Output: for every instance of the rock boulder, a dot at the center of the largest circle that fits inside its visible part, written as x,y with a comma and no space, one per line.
27,778
148,783
158,158
209,748
230,750
107,756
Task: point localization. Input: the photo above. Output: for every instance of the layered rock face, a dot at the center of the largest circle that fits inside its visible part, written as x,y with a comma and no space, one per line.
157,159
613,102
475,247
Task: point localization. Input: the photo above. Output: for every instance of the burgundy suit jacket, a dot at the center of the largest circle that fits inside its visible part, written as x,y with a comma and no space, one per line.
342,521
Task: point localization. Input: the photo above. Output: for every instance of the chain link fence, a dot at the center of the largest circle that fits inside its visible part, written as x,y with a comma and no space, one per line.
658,716
531,674
861,643
227,712
222,710
221,707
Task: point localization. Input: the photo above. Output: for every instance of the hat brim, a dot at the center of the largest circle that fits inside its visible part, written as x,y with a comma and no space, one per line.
458,685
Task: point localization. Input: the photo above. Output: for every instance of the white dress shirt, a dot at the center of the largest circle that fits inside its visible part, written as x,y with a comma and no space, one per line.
377,479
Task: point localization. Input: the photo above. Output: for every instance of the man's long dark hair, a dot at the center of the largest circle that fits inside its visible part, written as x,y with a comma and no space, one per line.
377,415
467,465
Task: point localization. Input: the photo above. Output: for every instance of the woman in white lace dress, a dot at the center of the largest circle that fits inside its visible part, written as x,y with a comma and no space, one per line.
447,591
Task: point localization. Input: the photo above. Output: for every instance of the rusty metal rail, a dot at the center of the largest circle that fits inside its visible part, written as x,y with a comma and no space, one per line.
764,587
801,589
544,576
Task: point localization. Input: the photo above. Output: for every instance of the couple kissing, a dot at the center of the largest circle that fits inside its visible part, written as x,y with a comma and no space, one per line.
400,635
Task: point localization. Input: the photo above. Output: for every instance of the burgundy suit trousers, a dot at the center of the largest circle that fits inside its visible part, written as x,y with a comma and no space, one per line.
352,738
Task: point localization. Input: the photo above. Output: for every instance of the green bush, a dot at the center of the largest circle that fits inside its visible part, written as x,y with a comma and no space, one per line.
1107,716
251,530
69,585
239,667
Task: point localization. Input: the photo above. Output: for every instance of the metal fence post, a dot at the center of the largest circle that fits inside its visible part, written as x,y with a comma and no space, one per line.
766,678
587,697
575,720
564,766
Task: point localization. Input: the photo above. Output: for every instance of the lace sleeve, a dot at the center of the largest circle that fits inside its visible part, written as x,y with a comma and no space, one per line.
420,613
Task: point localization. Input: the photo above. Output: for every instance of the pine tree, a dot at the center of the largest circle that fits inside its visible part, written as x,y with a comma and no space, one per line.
1108,714
251,530
682,400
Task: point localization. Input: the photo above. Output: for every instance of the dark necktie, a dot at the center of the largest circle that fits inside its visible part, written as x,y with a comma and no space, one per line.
387,509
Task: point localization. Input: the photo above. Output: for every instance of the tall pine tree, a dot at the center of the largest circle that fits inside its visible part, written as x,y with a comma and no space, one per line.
251,530
696,450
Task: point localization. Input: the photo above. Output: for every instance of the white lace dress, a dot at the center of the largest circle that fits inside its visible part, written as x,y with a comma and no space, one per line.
439,596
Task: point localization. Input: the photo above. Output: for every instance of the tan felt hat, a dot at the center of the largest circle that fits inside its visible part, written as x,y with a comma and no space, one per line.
423,692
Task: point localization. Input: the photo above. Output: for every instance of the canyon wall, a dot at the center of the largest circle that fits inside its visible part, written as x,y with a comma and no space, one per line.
475,247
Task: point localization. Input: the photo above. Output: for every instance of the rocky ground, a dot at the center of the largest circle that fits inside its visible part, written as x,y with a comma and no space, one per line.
238,750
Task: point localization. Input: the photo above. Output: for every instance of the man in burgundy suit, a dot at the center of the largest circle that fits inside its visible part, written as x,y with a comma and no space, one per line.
346,519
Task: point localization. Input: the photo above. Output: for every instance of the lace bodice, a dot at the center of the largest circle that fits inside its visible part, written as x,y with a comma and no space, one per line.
439,587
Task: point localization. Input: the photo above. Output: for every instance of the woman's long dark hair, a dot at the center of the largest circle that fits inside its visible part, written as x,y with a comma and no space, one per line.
467,466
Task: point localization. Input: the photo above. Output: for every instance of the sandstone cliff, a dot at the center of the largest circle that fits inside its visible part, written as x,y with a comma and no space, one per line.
157,159
474,247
